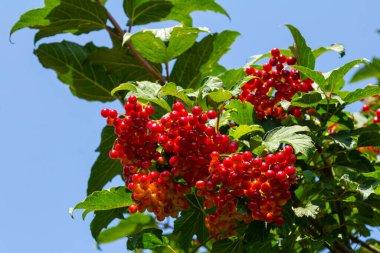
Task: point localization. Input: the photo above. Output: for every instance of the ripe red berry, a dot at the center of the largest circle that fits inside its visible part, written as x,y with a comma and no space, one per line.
211,114
267,67
290,170
132,99
291,60
104,113
196,110
249,70
378,112
270,159
275,52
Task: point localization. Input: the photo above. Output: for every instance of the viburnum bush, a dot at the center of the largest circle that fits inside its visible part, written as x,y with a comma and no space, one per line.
260,158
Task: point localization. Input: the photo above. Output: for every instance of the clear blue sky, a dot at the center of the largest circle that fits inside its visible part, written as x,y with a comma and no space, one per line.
48,137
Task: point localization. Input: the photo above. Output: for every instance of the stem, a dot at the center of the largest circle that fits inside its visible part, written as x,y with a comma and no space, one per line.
170,248
364,244
148,67
167,71
342,221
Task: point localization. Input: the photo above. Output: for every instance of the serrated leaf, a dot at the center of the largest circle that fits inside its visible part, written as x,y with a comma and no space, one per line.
337,47
201,60
69,61
338,74
103,218
170,89
370,70
120,62
307,100
309,210
142,12
258,57
104,168
344,139
359,94
182,9
112,198
131,225
220,96
190,222
350,185
150,238
240,112
149,46
228,246
302,51
69,16
301,143
237,132
231,77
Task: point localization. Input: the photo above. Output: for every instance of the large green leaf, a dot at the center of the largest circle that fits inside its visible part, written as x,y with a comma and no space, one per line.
231,77
307,100
237,132
149,46
301,50
104,168
228,246
116,197
240,112
314,75
359,94
190,223
146,11
338,74
103,218
182,9
301,143
150,238
201,59
131,225
69,60
122,63
69,16
370,70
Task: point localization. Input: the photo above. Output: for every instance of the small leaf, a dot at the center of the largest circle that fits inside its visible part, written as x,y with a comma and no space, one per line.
112,198
302,51
339,48
240,112
370,70
258,57
144,12
314,75
170,89
220,96
373,174
359,94
131,225
231,77
301,143
309,210
228,246
124,87
344,139
150,238
237,132
104,168
103,218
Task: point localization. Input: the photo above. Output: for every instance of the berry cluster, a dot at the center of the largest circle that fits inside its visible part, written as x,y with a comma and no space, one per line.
369,108
274,75
258,187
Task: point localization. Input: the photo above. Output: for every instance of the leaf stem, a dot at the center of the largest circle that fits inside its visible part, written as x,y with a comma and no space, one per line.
148,67
364,244
170,247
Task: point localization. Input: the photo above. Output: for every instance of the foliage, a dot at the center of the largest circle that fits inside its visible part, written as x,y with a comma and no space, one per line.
333,197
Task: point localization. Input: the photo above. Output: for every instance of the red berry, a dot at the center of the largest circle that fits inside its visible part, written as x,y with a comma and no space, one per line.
267,67
282,58
270,159
104,113
113,114
366,108
149,110
178,106
281,176
288,149
291,60
290,170
132,99
275,52
196,110
211,114
233,147
113,154
378,112
249,70
279,221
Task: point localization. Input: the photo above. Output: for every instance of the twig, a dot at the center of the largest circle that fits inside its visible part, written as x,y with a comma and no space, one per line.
148,67
364,244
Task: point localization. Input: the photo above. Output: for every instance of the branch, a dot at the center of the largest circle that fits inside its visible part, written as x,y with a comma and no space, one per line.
149,68
364,244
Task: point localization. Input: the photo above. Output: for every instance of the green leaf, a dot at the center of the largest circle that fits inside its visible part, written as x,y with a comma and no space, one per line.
301,50
359,94
349,185
231,77
301,143
112,198
69,60
103,218
189,223
314,75
220,96
339,48
124,87
338,74
240,112
201,59
120,62
149,46
344,139
369,139
104,168
354,159
133,224
370,70
182,9
170,89
142,12
309,210
228,246
70,16
311,99
373,174
237,132
258,57
150,238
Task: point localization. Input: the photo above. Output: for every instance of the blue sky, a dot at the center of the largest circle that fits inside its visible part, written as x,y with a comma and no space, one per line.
48,137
